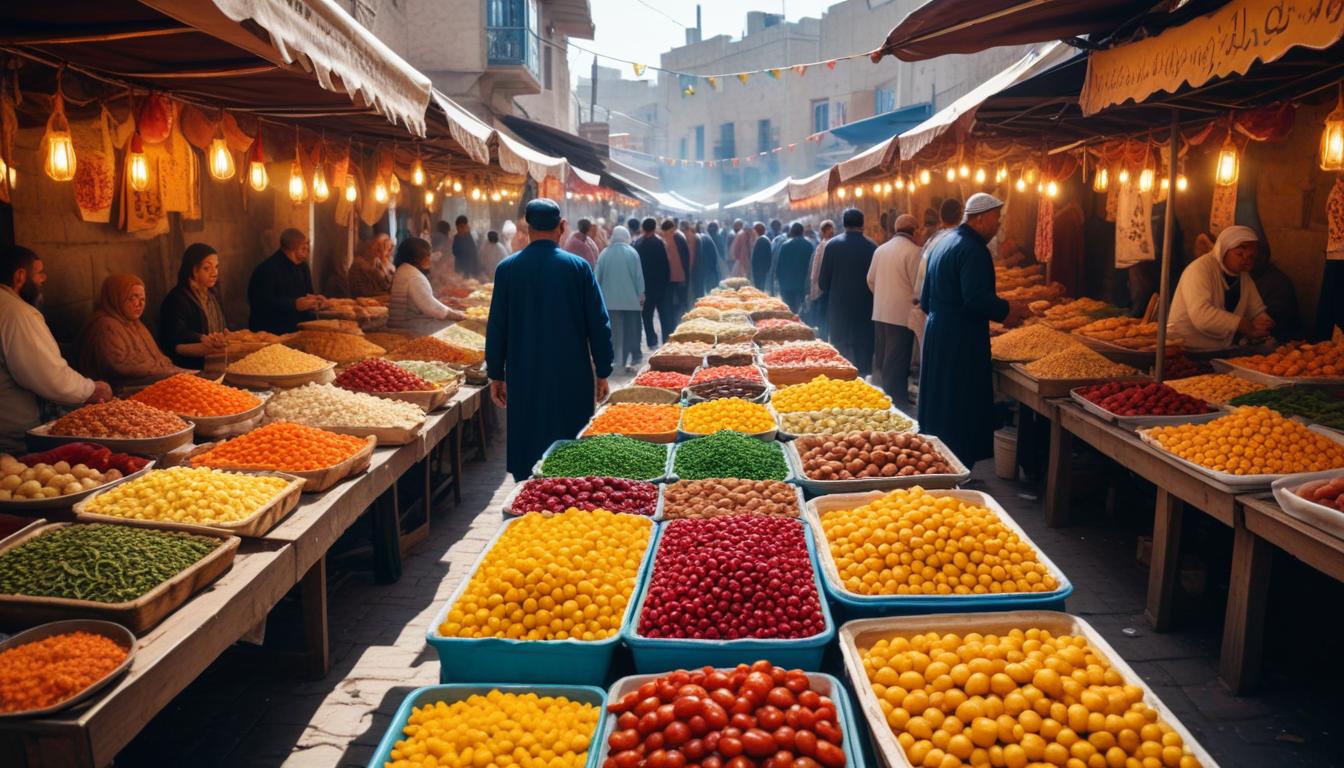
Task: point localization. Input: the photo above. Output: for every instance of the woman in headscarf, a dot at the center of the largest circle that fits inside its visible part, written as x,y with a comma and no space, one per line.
506,235
115,346
371,271
743,244
413,307
192,313
1216,300
621,278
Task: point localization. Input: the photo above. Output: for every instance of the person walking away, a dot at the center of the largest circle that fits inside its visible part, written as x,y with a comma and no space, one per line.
892,281
761,258
778,236
1216,300
678,266
621,278
547,343
795,258
32,371
725,265
956,389
492,253
466,259
844,280
657,281
580,243
707,261
816,300
744,242
949,216
280,291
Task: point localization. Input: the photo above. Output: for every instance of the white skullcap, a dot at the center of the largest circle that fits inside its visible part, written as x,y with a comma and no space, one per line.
981,202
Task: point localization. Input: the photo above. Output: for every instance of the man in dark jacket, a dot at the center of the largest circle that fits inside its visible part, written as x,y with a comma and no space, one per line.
706,268
762,258
795,257
844,279
281,289
657,281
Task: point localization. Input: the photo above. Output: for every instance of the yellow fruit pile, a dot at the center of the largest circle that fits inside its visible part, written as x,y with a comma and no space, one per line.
728,413
1252,440
1216,388
558,577
1023,698
278,360
1077,363
822,393
185,495
498,729
1030,342
913,542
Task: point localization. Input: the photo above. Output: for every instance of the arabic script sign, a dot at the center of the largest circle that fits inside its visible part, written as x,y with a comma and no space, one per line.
1222,43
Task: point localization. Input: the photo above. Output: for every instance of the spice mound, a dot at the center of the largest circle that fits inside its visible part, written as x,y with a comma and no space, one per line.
335,346
381,376
1077,363
437,350
278,360
189,495
1030,342
120,419
190,395
46,672
282,446
635,419
101,563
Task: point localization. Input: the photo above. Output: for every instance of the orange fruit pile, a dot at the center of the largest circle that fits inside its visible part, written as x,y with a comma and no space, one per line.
635,419
282,446
1298,358
1252,440
190,395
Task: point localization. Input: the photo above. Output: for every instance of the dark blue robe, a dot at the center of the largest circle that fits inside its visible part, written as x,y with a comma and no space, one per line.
956,387
547,336
849,300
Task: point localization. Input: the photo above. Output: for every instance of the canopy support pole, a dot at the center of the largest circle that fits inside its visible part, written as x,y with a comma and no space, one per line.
1168,234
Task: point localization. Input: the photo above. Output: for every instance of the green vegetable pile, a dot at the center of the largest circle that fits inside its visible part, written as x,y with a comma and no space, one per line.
607,456
1314,403
102,563
729,454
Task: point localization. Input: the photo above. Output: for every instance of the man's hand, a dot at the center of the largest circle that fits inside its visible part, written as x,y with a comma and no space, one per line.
603,389
215,341
499,393
1017,312
1262,324
102,392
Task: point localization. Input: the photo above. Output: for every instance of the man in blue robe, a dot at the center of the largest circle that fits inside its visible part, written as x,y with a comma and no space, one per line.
956,388
844,280
548,341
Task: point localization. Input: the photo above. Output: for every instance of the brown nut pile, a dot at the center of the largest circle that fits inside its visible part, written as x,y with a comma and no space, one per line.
118,419
731,386
862,455
726,496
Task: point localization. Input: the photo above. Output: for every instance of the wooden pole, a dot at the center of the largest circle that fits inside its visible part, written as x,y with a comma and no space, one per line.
1168,235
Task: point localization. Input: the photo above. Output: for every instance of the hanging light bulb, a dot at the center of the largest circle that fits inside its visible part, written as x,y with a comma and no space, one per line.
1040,187
60,162
1166,183
858,190
418,171
840,193
351,190
877,188
13,176
900,183
380,191
1101,180
951,173
1123,177
457,185
1146,177
257,177
495,197
394,186
980,176
429,198
1021,184
137,167
924,177
886,188
1031,175
321,191
1225,173
1051,189
298,192
1332,138
964,171
475,193
1182,183
1001,174
221,159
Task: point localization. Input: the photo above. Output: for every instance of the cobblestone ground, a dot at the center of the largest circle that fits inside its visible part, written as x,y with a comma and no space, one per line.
252,709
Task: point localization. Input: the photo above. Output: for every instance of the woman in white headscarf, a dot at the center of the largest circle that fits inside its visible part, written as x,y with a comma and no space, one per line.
1216,298
506,234
621,279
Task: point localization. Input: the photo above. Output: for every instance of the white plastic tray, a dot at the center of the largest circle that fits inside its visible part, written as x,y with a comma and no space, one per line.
864,632
1227,478
1233,367
1139,422
1286,488
959,475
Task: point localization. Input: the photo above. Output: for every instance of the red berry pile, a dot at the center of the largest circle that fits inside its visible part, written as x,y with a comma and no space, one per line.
1138,399
375,375
614,494
662,380
1181,367
760,716
730,578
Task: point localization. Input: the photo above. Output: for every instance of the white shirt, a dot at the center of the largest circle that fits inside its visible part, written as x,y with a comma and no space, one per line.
31,366
891,277
412,306
1197,314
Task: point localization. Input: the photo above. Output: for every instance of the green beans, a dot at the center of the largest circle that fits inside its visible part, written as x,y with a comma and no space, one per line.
101,563
607,456
1315,404
729,454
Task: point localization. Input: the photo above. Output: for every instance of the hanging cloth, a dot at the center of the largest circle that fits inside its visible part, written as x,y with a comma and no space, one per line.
1133,227
1223,213
1045,231
1334,212
96,171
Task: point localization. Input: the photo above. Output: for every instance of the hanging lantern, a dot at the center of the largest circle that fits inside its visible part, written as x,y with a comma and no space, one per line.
60,162
1051,189
964,171
1040,187
221,159
298,192
1101,180
886,188
320,189
256,168
877,188
475,193
951,173
900,183
1182,183
8,170
924,177
1225,172
418,171
1166,183
1031,175
1021,184
351,191
858,190
1001,174
840,193
457,185
980,176
1146,177
495,197
380,191
429,198
1123,177
394,186
1332,138
137,166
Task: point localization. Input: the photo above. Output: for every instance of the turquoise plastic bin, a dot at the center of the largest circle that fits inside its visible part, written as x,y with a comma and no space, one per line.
663,654
572,662
456,692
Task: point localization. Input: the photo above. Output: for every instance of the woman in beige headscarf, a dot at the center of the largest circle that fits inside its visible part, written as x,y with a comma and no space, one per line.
371,271
115,345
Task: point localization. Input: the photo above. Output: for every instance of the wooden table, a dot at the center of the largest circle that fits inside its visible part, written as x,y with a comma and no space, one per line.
1013,383
1261,525
1177,485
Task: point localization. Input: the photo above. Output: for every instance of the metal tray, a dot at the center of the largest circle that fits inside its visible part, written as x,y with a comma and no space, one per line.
1227,478
1233,367
509,514
1138,422
783,435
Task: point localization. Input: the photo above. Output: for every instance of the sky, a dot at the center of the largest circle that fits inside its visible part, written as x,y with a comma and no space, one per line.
641,30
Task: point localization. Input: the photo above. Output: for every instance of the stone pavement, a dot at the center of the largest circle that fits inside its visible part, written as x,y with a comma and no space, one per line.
252,709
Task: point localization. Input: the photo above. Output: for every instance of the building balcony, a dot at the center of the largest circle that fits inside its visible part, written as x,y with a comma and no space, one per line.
513,60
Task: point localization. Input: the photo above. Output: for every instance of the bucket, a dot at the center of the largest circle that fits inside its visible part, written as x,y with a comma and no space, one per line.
1005,453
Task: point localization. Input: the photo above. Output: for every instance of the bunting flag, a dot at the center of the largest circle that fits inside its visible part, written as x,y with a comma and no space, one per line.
801,69
792,147
735,161
831,64
639,69
773,73
743,77
713,83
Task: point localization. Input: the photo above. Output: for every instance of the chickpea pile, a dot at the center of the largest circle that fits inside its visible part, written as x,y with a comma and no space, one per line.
1023,698
913,542
731,413
726,496
822,393
498,729
47,481
186,495
836,420
558,577
1216,388
1252,440
278,360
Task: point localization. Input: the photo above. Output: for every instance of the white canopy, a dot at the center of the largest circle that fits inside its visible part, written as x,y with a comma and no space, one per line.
760,196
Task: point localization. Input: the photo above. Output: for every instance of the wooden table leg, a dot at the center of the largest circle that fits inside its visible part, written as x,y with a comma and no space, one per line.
313,606
1165,568
1058,475
457,464
386,538
1244,626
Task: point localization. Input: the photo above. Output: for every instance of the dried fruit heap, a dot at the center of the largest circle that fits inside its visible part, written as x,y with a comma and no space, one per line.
118,419
190,395
862,455
1252,440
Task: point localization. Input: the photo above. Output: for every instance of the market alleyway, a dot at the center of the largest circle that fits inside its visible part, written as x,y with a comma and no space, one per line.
251,708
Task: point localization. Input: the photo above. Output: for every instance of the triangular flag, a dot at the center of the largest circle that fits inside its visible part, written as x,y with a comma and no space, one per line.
762,154
688,90
801,69
830,64
773,73
639,69
792,147
777,150
743,76
685,163
713,82
735,161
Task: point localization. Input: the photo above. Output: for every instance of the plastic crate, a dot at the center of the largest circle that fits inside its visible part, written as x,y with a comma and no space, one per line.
574,662
853,606
661,654
456,692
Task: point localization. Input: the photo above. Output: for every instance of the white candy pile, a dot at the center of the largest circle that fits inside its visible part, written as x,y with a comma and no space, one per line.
325,405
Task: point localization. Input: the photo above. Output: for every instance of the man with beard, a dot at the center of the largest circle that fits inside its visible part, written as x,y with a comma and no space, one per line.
31,365
280,291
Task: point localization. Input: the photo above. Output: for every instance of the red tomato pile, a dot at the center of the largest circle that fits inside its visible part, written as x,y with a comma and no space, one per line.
614,494
749,372
732,577
760,716
1138,399
375,375
662,380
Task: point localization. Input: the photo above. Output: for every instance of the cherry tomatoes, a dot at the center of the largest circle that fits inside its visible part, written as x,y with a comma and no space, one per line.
624,739
757,743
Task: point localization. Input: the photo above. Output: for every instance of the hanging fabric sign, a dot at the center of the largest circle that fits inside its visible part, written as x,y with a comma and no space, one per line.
96,172
1334,211
1225,42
